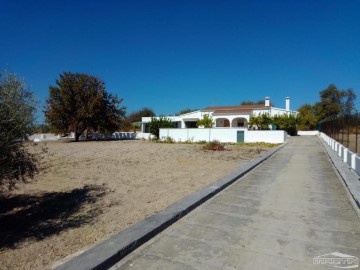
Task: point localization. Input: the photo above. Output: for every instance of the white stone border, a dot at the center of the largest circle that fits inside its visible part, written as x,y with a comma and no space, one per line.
347,156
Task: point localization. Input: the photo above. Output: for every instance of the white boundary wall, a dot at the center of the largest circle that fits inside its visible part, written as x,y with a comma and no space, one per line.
352,159
307,132
223,134
269,136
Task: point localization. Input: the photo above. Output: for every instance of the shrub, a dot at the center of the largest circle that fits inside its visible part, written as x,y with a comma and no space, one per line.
189,141
206,121
17,116
214,146
157,123
168,139
262,121
287,123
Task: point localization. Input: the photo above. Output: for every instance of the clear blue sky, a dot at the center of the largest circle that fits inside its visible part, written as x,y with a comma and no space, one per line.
171,55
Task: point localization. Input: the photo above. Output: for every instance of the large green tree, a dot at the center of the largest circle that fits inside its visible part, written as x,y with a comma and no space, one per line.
334,101
17,116
80,102
307,117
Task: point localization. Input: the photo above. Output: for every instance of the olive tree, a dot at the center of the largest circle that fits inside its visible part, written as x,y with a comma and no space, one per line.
79,102
17,116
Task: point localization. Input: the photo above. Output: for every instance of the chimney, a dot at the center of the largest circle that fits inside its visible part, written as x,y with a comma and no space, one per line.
267,101
287,103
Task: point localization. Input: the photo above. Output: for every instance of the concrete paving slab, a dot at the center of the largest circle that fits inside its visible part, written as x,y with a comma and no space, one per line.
281,215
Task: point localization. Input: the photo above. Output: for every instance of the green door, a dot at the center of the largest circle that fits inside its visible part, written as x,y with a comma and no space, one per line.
240,136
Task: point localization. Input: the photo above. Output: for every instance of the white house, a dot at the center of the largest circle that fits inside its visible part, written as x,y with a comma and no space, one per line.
225,116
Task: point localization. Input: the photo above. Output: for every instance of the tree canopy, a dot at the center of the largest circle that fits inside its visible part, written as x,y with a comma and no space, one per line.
333,101
137,115
80,102
17,116
207,121
264,121
259,102
307,117
184,111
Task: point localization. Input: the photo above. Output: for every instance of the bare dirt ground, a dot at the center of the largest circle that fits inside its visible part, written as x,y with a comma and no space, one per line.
88,191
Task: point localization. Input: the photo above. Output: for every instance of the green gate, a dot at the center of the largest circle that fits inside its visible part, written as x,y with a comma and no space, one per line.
240,136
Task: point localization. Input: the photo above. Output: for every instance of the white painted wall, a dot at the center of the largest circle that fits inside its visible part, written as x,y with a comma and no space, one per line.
269,136
44,137
308,132
223,134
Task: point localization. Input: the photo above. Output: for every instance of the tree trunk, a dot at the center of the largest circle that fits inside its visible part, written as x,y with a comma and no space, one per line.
77,135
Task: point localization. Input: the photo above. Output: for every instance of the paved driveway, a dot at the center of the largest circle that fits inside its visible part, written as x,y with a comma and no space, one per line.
279,216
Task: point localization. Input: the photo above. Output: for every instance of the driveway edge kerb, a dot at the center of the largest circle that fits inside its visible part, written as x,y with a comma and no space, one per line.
107,253
348,177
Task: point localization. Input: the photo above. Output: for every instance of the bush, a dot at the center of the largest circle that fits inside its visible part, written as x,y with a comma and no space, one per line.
17,116
189,141
157,123
286,122
262,121
214,146
169,140
206,121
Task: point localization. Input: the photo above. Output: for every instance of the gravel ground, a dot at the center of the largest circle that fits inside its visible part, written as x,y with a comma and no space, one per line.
87,191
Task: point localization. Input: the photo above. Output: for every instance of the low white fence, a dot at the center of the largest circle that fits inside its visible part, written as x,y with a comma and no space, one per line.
352,159
131,135
95,136
223,134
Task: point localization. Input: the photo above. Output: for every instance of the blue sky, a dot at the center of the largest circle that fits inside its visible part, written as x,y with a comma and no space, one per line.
171,55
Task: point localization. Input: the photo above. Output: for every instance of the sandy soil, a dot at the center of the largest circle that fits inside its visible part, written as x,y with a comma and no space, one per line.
88,191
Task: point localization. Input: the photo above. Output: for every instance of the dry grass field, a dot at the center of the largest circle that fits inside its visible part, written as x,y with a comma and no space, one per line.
88,191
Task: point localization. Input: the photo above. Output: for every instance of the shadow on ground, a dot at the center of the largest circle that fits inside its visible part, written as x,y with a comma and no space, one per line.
25,217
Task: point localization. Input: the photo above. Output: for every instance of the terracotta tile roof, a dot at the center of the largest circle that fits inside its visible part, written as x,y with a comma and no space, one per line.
239,107
232,111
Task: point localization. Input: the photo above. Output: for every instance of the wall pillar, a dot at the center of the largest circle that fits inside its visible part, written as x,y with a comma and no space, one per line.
345,155
353,161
